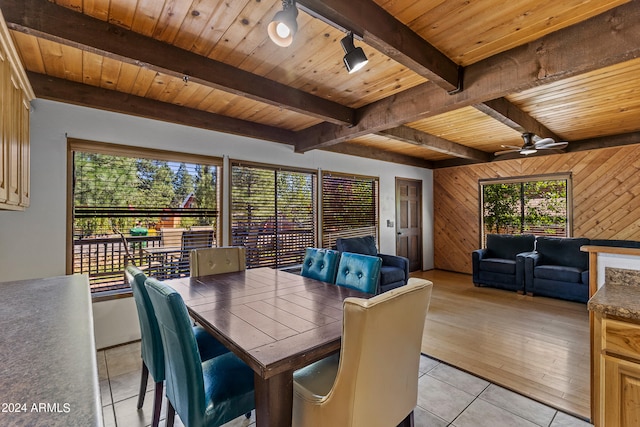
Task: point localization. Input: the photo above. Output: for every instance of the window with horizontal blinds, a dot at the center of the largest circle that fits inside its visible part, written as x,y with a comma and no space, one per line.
349,207
273,214
124,205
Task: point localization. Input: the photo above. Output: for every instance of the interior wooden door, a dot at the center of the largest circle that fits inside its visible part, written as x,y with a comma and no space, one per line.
409,221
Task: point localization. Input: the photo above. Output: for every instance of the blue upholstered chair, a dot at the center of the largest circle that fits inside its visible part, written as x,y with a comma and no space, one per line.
361,272
394,271
151,345
203,393
320,264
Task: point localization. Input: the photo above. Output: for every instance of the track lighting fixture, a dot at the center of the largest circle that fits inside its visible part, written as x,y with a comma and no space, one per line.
354,57
283,26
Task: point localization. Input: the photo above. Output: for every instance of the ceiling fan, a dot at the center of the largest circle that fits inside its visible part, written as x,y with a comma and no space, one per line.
532,143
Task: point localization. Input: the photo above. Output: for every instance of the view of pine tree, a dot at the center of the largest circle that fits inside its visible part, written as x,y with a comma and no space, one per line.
107,181
295,197
205,190
156,183
183,183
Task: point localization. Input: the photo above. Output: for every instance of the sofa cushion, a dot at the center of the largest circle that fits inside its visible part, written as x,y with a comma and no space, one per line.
358,245
509,245
498,265
558,273
390,274
563,251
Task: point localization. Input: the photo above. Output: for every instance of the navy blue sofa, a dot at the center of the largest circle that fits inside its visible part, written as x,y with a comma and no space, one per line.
500,264
395,269
558,269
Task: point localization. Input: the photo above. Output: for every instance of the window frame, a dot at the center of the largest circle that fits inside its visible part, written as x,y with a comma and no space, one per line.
560,176
321,226
275,168
97,147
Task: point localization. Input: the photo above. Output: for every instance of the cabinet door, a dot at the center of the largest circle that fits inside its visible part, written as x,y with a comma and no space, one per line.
25,155
622,393
4,145
13,139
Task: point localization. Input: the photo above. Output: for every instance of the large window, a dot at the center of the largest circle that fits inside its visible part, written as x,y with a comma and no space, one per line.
146,199
538,205
349,207
273,214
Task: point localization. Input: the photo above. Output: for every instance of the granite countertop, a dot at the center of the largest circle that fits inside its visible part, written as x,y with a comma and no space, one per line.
48,368
617,299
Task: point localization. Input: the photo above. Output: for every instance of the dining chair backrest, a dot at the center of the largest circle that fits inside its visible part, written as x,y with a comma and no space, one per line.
320,264
376,381
151,342
185,383
171,236
225,259
357,271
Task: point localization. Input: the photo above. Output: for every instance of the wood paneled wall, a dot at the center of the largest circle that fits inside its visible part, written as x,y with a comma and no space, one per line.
606,198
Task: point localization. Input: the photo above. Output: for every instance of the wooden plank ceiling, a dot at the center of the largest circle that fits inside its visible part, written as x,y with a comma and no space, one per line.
447,82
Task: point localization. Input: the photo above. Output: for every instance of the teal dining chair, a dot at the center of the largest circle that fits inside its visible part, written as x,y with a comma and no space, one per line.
320,264
203,393
360,272
151,343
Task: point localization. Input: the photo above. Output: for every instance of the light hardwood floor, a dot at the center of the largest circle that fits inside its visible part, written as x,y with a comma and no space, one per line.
536,346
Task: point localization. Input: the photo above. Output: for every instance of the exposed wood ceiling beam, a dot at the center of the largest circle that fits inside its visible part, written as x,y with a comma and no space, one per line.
556,56
376,154
604,142
416,137
510,115
574,146
46,20
385,33
90,96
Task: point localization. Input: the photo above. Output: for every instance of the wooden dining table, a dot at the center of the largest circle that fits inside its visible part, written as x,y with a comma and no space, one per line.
275,321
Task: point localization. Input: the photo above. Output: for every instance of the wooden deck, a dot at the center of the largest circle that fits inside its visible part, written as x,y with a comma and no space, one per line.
536,346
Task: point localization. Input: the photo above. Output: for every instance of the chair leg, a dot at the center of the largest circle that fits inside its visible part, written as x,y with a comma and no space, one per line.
157,404
143,384
171,414
407,422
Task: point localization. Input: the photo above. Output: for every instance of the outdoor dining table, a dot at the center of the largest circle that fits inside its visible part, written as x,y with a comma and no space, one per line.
275,321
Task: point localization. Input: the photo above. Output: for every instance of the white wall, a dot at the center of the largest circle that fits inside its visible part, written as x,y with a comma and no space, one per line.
32,243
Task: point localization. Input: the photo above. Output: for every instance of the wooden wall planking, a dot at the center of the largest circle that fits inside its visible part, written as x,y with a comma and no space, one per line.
606,198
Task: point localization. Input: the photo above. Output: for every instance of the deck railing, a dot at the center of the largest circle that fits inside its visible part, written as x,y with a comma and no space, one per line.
105,258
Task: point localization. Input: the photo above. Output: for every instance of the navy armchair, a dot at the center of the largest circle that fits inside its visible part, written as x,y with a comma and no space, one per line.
395,269
558,269
499,264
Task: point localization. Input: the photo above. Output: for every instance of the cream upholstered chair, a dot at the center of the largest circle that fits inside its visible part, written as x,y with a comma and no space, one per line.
225,259
373,382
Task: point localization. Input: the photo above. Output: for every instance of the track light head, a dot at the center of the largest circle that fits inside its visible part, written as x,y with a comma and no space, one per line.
354,57
283,26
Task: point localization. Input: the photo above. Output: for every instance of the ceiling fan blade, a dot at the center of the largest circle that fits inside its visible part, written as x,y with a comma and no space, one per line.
511,147
499,153
543,142
556,145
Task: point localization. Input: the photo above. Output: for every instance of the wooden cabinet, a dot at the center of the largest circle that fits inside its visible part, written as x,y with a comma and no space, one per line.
616,358
16,94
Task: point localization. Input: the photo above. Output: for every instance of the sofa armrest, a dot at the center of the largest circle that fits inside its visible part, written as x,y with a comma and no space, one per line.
396,261
530,260
476,256
521,260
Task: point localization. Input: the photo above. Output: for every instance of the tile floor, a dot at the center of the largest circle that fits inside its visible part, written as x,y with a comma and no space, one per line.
446,397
